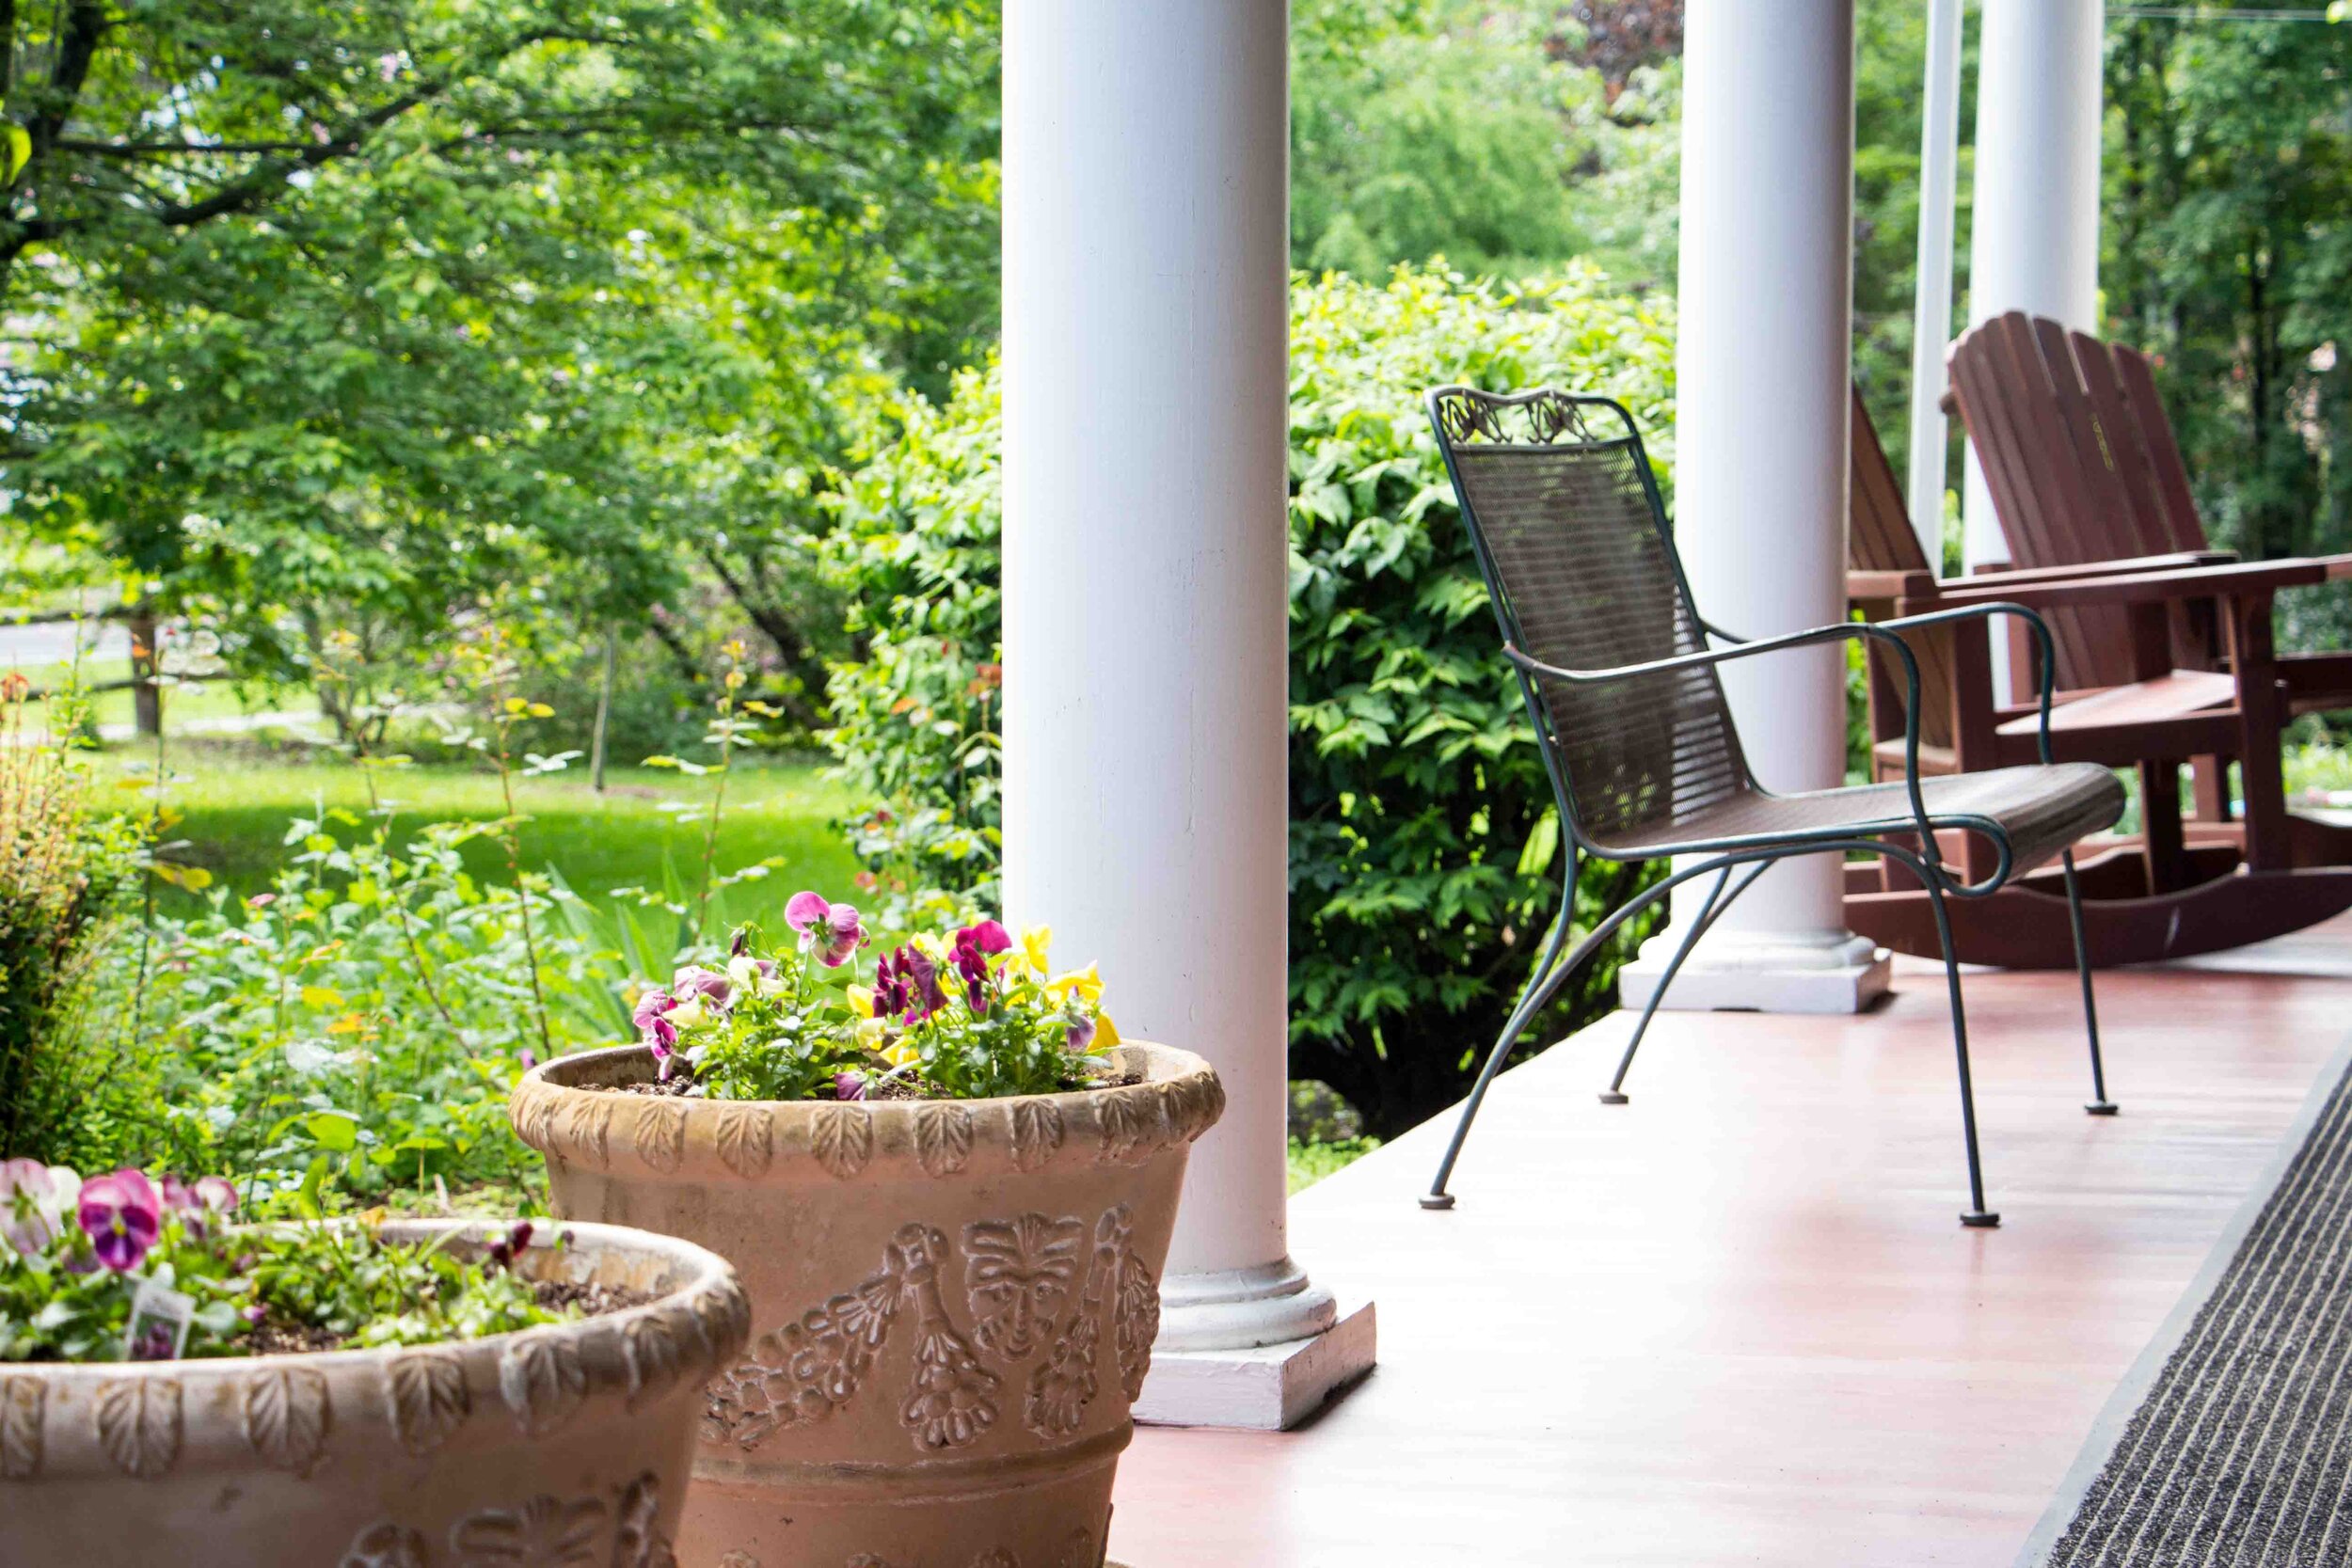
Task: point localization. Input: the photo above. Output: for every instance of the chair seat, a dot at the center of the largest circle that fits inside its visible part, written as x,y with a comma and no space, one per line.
2039,810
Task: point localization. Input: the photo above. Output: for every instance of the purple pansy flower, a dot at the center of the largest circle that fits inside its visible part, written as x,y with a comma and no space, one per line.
832,930
906,985
1081,1033
974,945
988,936
121,1215
651,1016
849,1085
694,980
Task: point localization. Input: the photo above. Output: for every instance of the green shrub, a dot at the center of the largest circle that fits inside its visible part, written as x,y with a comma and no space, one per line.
67,1086
1424,851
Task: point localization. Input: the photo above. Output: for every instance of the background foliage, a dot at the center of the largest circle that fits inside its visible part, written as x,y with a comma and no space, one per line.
1424,857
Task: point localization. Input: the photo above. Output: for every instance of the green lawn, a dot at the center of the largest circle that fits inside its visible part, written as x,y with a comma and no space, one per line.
237,809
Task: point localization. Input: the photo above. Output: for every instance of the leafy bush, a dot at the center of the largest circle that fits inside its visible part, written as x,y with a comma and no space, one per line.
1424,850
65,871
373,1007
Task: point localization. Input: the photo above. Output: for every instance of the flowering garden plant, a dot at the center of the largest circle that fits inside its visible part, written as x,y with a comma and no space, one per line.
130,1267
972,1015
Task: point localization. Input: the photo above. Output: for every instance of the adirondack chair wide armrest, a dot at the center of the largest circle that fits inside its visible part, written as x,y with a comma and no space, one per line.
1919,587
1866,585
2190,584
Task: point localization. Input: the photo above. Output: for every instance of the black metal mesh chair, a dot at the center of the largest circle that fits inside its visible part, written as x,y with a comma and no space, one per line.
1620,677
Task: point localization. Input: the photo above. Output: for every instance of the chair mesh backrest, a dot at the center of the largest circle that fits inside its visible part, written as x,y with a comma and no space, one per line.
1557,494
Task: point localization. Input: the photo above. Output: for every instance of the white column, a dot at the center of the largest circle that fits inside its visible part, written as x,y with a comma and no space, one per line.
1931,306
1761,446
2034,245
1146,270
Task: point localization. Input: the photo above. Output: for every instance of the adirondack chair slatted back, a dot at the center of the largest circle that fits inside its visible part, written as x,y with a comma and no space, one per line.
1879,539
1572,536
2064,465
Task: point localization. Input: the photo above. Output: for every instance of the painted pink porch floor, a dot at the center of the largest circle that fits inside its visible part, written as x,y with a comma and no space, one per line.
1736,1321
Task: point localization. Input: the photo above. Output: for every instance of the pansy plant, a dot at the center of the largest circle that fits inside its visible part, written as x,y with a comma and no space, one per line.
970,1015
77,1253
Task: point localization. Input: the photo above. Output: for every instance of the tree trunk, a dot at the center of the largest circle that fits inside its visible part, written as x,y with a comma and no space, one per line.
146,697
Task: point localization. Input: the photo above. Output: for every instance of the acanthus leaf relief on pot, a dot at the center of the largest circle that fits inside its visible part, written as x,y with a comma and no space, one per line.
650,1348
661,1136
746,1138
1124,1124
842,1138
1017,1274
138,1424
543,1379
588,1126
286,1414
954,1397
426,1393
943,1137
1037,1133
23,1400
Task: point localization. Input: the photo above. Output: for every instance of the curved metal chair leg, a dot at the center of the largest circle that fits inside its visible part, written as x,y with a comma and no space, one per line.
1978,1216
1547,979
1709,913
2100,1105
1438,1198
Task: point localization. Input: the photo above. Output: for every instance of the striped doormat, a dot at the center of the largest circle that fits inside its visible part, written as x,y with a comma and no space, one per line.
2232,1446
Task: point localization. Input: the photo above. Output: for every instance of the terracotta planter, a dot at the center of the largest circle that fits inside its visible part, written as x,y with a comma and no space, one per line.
953,1303
560,1445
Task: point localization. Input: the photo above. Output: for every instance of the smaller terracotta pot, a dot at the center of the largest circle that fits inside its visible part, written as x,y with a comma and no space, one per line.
561,1445
953,1301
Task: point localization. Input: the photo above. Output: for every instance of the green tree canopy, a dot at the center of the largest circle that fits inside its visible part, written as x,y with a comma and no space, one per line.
362,310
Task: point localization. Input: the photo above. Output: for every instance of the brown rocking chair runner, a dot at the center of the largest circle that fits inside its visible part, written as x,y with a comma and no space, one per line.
1620,682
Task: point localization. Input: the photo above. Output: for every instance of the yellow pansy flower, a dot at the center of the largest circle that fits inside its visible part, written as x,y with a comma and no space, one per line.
1034,944
901,1052
1086,983
1106,1032
862,999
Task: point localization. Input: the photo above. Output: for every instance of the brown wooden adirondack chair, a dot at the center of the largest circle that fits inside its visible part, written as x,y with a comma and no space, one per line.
2081,462
2174,889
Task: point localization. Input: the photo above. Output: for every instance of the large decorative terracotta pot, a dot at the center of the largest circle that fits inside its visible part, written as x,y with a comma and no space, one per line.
953,1301
562,1445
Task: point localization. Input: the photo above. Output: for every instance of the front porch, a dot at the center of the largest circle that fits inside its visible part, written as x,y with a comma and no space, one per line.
1734,1322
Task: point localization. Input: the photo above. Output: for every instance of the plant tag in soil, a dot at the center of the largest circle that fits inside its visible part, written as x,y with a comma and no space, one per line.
160,1316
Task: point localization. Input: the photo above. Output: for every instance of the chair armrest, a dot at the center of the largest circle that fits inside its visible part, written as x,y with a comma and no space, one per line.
1919,587
1913,584
1887,632
2129,567
2190,584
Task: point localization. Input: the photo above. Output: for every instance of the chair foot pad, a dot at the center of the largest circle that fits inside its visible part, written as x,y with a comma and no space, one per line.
1436,1200
2103,1107
1611,1096
1981,1220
